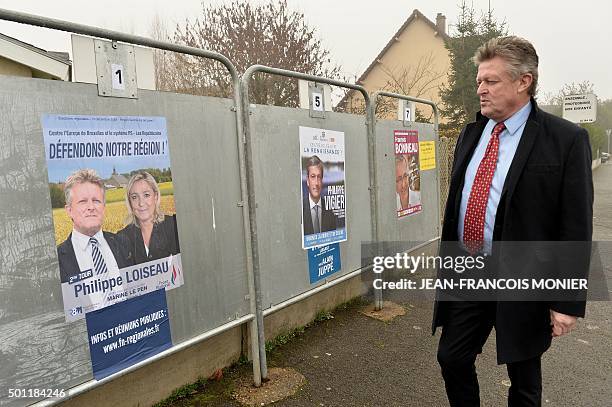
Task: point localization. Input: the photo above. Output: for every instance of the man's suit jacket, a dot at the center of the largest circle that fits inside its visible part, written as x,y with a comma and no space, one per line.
328,219
547,196
69,265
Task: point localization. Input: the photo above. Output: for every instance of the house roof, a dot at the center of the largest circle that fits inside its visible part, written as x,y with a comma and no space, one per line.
415,15
54,64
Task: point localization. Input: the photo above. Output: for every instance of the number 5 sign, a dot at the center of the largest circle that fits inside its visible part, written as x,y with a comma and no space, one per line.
116,69
316,94
317,101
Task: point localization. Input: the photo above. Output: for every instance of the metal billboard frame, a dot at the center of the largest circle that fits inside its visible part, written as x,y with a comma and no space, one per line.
60,25
378,299
244,85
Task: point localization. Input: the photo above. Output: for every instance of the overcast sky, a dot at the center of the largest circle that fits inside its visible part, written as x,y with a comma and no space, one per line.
572,38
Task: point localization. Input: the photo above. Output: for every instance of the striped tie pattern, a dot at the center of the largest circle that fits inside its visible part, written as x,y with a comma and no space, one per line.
473,226
98,260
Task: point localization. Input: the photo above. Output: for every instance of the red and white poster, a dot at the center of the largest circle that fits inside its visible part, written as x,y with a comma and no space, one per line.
407,173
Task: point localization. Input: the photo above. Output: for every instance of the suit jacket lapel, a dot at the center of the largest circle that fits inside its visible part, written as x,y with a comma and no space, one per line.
464,152
69,253
522,154
116,250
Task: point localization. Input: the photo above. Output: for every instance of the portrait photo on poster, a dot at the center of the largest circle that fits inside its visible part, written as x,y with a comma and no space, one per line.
407,172
113,208
323,186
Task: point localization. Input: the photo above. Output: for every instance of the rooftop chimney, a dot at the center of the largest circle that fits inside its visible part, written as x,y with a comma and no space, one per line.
441,23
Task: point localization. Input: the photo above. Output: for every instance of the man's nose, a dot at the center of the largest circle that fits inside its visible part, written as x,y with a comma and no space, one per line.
481,89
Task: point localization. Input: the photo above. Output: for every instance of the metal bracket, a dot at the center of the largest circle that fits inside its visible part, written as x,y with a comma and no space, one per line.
406,112
116,69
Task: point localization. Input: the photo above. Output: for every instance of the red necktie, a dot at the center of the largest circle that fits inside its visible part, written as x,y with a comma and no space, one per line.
473,226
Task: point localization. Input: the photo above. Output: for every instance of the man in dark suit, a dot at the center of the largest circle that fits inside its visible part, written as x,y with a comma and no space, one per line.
88,247
316,217
519,174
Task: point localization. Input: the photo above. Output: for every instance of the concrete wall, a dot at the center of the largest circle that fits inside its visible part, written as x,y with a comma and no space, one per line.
303,312
154,382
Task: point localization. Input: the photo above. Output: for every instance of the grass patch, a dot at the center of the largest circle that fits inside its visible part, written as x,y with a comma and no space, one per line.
323,315
184,392
204,391
284,338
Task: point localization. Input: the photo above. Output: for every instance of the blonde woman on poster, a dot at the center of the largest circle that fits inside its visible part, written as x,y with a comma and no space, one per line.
151,234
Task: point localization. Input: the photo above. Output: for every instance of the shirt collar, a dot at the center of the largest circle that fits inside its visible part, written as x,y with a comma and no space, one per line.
312,203
81,241
518,119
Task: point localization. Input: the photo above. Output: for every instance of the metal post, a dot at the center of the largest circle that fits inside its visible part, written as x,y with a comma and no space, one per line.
378,297
246,77
61,25
244,193
374,191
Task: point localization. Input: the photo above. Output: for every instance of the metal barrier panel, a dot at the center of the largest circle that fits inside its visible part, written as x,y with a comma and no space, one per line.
418,227
38,348
277,171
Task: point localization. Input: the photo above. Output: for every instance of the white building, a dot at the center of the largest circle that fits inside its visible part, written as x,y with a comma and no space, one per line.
18,58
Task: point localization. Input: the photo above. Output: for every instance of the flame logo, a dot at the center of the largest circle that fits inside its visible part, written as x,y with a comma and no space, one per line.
175,274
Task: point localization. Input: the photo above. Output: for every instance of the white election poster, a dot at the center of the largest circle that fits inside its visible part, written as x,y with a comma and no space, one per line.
323,187
112,201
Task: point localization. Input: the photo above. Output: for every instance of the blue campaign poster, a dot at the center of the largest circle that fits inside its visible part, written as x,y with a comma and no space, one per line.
323,187
323,261
128,332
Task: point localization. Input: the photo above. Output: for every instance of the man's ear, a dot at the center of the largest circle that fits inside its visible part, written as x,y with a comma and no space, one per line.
526,80
68,209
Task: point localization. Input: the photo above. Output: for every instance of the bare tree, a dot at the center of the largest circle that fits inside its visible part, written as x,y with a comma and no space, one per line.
556,99
162,60
415,80
267,34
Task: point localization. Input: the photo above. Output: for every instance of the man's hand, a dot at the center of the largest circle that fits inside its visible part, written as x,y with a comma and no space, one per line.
561,323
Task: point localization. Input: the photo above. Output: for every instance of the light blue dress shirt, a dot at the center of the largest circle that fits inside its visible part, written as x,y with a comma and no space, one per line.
508,142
